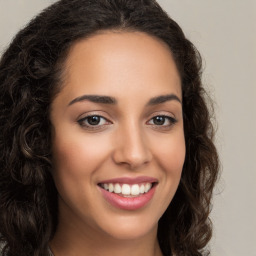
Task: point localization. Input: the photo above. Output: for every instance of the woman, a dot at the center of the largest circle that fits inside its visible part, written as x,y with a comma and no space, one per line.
106,139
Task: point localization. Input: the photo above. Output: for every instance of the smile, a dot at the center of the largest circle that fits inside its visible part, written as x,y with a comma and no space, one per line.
128,193
127,190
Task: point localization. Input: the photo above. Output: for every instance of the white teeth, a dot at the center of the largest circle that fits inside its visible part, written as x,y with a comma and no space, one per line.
126,189
117,189
142,189
110,187
135,190
148,187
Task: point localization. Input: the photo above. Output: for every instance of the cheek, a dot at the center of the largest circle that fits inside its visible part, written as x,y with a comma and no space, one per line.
76,158
78,153
171,155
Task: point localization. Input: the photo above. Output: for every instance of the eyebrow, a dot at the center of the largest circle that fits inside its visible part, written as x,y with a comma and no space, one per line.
95,99
110,100
162,99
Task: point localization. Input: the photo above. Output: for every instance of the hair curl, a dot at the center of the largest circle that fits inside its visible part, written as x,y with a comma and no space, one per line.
30,78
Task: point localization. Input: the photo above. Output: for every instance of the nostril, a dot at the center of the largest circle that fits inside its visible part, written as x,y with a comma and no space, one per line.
132,152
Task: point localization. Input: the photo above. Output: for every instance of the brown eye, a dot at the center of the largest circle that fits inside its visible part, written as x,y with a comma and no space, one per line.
162,121
159,120
93,121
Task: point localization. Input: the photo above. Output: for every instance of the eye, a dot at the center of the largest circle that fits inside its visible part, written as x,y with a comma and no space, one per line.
162,120
93,122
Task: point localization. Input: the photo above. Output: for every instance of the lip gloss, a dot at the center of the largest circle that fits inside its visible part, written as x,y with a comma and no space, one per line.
128,203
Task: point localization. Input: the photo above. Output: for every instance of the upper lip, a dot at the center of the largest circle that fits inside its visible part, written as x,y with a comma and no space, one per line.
131,180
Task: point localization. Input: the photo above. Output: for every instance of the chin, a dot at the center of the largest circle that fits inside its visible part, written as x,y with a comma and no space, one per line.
130,229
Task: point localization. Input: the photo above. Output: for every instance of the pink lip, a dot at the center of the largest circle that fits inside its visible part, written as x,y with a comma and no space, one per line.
129,203
130,180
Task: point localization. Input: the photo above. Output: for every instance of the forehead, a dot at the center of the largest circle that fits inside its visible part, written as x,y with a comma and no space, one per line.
113,61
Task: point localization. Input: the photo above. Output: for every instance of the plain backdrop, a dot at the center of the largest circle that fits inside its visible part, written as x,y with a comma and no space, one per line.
224,31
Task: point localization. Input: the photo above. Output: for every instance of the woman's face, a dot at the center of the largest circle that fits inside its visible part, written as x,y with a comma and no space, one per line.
118,140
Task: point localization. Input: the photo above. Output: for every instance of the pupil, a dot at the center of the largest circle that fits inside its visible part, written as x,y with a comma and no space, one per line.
159,120
93,120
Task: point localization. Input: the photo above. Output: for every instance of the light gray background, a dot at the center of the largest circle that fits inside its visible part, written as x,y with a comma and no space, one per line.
225,33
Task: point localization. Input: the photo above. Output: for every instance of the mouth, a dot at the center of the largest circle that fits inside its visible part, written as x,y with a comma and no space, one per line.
128,190
128,193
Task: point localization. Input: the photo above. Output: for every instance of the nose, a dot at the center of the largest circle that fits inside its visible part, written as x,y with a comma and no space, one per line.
131,149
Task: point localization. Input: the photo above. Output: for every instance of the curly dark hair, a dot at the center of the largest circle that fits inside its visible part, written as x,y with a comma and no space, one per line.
31,76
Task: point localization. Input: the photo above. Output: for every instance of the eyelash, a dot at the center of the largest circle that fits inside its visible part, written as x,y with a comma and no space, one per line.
170,119
83,122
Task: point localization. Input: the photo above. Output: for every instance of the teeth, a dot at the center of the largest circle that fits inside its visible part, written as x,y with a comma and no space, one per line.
110,187
117,189
135,190
127,190
142,189
148,187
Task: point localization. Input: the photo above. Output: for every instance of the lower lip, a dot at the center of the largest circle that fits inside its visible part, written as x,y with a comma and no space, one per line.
128,203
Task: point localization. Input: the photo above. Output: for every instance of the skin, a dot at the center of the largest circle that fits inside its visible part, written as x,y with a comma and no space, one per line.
132,68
